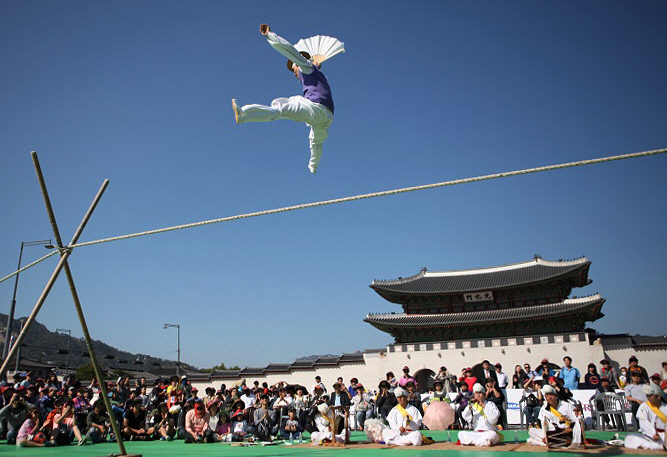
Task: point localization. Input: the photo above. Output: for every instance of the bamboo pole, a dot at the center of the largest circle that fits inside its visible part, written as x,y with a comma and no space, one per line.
75,295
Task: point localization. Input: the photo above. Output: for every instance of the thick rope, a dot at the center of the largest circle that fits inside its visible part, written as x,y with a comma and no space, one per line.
353,198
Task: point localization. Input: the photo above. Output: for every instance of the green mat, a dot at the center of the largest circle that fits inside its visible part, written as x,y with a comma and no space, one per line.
179,448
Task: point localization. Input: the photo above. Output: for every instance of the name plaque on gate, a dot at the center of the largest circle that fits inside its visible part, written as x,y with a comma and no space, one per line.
478,296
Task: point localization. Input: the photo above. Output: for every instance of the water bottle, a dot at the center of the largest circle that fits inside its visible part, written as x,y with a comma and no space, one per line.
516,437
291,438
449,436
300,437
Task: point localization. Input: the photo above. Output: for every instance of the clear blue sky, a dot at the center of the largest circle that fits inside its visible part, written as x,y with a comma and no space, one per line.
139,93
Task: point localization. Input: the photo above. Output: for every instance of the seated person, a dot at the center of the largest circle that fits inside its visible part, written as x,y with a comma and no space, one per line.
28,433
404,422
462,399
652,418
64,428
385,399
162,422
96,423
290,428
533,402
324,423
265,422
495,395
439,393
13,415
239,429
134,423
197,425
218,422
559,419
483,416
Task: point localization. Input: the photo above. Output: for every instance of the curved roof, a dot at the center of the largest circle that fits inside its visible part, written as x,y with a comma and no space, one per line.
492,278
591,305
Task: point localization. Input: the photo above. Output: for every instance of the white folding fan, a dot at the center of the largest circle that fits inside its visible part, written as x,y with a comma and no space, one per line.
320,47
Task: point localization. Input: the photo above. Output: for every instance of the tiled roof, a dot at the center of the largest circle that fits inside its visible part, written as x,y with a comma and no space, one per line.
591,304
226,374
277,368
356,357
303,364
327,361
492,278
649,340
248,371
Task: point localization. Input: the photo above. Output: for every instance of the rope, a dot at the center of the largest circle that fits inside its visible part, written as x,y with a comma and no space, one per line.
353,198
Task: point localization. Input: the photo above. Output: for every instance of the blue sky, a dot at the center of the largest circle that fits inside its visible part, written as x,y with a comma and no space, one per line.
139,93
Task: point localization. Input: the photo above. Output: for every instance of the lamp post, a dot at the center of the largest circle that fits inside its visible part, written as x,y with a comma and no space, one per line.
10,318
69,333
178,363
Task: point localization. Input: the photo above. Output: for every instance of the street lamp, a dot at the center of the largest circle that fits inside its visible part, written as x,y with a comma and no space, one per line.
178,364
10,318
69,333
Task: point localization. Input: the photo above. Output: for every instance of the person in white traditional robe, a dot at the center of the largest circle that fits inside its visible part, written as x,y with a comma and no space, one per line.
404,422
652,418
556,416
483,416
325,425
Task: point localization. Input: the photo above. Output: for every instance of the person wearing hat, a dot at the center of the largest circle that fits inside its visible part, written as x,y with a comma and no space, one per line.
406,378
385,399
197,425
635,394
482,415
315,107
439,393
652,418
633,366
559,419
265,420
362,407
239,429
162,423
657,380
324,426
404,421
609,372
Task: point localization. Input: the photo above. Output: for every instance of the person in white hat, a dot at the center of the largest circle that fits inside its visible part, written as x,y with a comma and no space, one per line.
404,422
324,421
652,418
556,417
483,416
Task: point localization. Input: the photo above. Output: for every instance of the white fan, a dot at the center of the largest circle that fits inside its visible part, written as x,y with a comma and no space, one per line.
320,47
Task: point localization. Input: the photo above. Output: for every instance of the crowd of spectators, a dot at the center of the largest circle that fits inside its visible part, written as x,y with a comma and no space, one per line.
48,412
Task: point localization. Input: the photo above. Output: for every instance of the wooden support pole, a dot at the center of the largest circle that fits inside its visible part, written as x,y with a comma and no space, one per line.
75,295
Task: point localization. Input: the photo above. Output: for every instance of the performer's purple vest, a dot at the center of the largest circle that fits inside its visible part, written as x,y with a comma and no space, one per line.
316,88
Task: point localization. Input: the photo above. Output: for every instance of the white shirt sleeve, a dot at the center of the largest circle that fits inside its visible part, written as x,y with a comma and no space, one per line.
285,48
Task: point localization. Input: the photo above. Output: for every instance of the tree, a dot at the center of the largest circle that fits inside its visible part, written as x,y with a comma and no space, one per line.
220,367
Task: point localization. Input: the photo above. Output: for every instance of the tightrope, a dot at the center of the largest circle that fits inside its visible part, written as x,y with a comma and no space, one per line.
352,198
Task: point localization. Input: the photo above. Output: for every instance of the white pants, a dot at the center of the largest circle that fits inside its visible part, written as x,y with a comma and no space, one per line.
481,438
536,435
299,109
413,438
316,437
639,441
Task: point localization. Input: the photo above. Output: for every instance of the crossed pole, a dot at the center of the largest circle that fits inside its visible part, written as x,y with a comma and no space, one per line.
65,252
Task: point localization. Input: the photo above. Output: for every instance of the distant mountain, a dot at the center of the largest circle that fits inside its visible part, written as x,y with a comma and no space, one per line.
309,358
46,346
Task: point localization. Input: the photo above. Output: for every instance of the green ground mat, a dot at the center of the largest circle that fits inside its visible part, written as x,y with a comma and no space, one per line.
179,448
